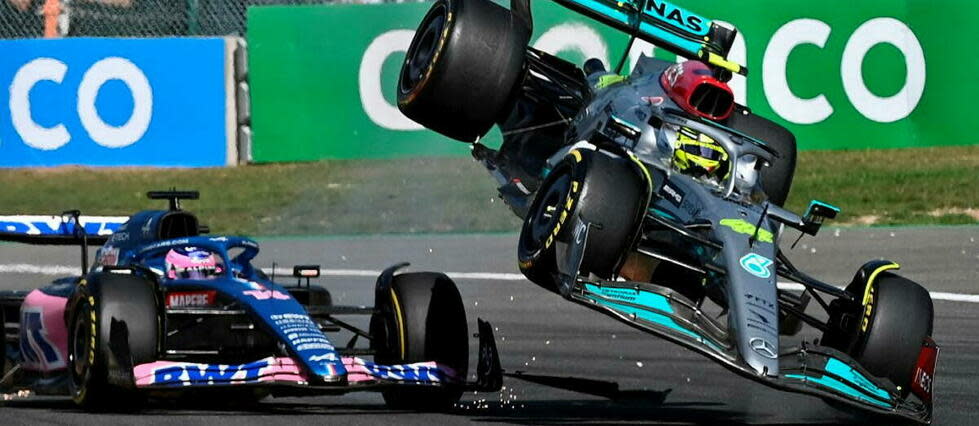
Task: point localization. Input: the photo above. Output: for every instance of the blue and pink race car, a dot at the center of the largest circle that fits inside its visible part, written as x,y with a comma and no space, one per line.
165,310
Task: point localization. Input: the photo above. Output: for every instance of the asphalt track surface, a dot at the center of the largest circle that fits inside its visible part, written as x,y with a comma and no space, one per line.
641,379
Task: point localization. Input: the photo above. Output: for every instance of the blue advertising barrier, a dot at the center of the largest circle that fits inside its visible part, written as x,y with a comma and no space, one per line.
114,102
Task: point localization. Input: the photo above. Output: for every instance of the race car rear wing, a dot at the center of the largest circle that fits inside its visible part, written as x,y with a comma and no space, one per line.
68,229
665,25
59,230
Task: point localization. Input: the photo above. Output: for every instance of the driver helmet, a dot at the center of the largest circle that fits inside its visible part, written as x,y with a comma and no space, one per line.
193,263
698,155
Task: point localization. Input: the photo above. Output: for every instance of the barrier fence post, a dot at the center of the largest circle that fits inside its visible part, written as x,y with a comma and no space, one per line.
193,17
51,12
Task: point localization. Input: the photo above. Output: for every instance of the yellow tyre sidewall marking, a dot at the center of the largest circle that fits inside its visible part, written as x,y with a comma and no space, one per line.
869,294
398,315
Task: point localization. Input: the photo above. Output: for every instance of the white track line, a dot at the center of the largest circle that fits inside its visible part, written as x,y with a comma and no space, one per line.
62,270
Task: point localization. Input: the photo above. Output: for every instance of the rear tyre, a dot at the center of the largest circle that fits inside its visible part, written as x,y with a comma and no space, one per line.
597,188
113,326
462,67
423,319
776,180
891,328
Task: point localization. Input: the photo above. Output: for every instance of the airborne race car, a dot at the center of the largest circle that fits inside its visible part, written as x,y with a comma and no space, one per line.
165,311
646,196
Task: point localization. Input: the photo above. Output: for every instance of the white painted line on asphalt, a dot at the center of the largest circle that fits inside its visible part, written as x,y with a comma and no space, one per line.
61,270
955,297
370,273
22,268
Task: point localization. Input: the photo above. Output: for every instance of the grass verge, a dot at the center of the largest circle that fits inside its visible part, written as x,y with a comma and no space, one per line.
893,187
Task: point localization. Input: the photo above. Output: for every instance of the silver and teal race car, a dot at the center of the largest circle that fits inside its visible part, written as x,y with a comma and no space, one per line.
655,198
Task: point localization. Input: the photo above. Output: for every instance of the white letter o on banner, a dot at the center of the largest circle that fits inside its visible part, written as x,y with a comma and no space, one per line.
102,133
897,34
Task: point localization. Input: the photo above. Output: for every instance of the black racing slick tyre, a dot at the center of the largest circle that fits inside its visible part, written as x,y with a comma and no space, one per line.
423,320
462,67
893,316
897,318
113,326
604,191
776,179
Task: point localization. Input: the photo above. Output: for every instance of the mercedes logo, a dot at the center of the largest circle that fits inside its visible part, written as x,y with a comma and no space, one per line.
763,348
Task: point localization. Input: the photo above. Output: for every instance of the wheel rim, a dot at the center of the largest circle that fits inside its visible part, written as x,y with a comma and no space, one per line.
546,213
80,352
424,49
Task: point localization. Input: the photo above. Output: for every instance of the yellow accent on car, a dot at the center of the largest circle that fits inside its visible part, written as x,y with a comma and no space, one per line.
743,227
609,80
719,61
577,155
645,172
401,323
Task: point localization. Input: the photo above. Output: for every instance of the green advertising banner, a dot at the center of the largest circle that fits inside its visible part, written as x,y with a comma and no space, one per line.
841,75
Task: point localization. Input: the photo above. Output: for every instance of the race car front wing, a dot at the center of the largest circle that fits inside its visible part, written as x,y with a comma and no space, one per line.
809,369
286,372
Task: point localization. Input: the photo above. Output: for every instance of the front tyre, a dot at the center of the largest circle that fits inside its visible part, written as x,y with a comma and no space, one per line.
462,67
113,326
897,315
607,192
422,319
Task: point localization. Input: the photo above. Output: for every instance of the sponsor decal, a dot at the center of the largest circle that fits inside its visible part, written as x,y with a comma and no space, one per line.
677,17
672,194
420,372
168,373
267,294
185,299
654,100
187,374
764,348
167,243
580,232
868,307
672,75
147,227
759,321
302,333
324,357
757,265
56,225
743,227
120,236
923,380
760,302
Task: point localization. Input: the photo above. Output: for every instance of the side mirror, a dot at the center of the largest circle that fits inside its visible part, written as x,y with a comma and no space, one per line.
818,212
305,271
